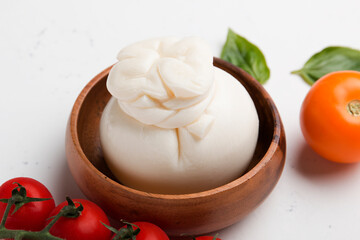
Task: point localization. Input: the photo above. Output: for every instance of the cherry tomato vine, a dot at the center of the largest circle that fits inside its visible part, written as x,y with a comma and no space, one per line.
65,220
18,199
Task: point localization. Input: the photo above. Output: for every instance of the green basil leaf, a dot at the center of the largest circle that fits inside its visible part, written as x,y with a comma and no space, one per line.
329,60
242,53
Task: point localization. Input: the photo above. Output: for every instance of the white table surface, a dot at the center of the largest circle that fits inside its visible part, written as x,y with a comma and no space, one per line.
49,50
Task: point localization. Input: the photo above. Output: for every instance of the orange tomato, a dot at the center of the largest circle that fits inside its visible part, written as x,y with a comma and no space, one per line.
330,117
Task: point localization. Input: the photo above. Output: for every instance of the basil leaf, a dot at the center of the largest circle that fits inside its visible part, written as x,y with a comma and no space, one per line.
242,53
329,60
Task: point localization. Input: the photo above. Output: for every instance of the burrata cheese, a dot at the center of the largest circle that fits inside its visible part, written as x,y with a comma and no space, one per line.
176,124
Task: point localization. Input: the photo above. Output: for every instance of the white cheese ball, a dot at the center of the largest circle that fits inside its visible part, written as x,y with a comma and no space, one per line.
165,82
184,159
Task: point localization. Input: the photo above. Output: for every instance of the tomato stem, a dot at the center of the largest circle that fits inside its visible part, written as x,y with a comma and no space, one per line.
22,234
6,213
124,233
18,199
53,221
353,108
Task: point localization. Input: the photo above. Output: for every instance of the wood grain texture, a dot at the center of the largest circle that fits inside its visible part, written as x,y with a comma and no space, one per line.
196,213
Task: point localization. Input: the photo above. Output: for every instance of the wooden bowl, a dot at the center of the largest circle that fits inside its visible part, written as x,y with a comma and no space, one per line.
196,213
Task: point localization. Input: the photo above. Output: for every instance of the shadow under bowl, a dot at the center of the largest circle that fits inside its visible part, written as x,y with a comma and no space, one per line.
192,214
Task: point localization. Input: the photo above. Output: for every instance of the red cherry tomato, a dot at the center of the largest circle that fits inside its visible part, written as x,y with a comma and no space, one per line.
330,117
87,226
31,216
149,231
207,238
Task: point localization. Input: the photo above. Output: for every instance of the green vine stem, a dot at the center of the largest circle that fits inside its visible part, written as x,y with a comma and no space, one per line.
214,238
127,233
6,213
21,234
19,193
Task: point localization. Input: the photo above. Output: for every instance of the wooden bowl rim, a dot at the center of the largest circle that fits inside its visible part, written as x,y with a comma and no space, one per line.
248,175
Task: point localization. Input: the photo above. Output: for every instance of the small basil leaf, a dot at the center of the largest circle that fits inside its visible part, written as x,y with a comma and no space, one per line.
242,53
329,60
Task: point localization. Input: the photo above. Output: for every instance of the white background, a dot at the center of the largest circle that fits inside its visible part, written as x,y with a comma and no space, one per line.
49,50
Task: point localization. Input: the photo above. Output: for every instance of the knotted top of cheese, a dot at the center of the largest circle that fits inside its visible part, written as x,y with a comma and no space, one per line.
165,82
